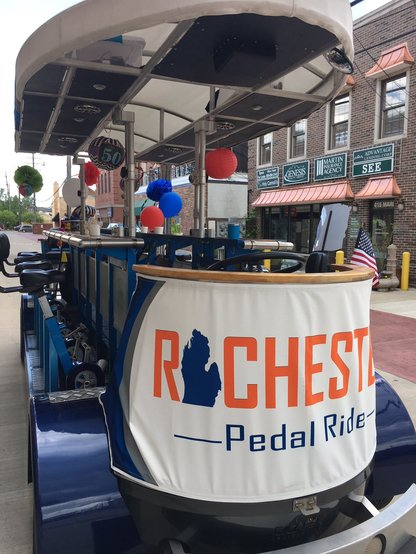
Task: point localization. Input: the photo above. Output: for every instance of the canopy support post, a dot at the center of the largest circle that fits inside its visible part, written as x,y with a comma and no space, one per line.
127,119
82,219
202,128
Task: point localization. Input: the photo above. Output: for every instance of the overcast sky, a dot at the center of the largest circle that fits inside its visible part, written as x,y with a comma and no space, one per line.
19,20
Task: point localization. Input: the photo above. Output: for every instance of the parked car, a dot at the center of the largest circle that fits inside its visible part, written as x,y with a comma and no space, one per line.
26,229
114,225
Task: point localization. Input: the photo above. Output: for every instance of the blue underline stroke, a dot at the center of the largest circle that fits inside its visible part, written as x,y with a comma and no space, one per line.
196,439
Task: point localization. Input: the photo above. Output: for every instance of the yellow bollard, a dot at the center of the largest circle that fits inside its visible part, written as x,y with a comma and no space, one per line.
339,257
267,263
405,271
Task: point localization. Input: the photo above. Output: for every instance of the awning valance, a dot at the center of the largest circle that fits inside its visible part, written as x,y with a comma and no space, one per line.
379,187
391,61
311,194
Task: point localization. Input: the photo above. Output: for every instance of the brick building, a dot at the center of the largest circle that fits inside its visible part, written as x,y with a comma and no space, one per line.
359,149
109,200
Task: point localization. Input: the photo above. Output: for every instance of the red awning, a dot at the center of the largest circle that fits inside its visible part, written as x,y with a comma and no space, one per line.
391,61
379,187
310,194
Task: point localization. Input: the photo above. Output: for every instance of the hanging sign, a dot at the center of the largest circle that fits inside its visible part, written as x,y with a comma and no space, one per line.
330,167
371,161
296,173
268,178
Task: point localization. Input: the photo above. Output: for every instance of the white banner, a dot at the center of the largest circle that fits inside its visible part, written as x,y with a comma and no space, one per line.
252,392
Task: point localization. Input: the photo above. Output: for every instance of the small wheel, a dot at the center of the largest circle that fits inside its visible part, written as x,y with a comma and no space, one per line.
252,258
85,376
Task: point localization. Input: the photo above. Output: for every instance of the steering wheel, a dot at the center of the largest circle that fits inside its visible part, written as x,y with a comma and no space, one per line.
253,258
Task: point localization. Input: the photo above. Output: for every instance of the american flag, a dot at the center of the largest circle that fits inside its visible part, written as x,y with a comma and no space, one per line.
364,255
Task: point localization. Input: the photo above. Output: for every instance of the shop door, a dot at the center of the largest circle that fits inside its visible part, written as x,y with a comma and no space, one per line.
304,221
382,219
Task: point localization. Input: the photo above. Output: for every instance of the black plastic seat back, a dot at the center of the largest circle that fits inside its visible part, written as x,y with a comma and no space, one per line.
318,262
4,247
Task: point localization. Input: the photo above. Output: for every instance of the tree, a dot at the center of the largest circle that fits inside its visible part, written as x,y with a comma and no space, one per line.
8,219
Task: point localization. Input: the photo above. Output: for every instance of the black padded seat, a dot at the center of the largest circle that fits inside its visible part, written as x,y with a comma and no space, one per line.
28,257
37,264
35,279
31,253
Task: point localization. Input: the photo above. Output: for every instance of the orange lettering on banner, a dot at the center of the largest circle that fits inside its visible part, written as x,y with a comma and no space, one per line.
230,343
359,334
370,370
290,371
334,390
311,368
167,365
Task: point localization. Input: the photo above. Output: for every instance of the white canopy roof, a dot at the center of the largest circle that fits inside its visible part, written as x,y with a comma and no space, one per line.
256,65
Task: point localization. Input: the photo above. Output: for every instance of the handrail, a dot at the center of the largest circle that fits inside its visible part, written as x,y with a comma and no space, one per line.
346,273
85,241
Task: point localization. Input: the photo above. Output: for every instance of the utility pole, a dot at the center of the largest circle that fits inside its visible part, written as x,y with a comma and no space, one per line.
34,195
8,190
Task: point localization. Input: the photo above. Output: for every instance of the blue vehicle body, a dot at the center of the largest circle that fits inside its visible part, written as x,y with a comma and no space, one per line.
77,502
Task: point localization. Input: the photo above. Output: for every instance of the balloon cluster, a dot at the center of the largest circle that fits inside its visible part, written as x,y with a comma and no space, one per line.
170,204
28,179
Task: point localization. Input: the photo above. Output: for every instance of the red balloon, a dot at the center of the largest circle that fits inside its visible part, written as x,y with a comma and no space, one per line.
152,217
220,163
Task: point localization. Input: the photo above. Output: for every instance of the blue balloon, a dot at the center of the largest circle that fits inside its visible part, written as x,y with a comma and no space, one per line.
170,204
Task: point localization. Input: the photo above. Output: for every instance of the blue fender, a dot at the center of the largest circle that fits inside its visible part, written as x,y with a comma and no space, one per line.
77,504
395,459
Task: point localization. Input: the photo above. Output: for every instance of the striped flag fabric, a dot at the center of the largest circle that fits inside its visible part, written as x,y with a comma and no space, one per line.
364,255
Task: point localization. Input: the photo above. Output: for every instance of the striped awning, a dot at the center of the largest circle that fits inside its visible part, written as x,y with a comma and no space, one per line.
384,186
311,194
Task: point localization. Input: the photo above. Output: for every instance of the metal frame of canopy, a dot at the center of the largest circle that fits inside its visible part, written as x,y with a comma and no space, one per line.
194,74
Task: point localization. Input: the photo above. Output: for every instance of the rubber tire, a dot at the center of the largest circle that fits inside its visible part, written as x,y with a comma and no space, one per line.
74,376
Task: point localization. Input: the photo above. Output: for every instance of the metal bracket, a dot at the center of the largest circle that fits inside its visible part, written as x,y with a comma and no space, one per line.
207,125
120,117
308,506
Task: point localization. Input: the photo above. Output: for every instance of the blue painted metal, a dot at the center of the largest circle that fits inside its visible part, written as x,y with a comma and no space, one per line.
395,459
77,505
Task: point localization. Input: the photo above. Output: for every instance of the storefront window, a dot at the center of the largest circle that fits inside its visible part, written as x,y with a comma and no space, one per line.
297,224
382,219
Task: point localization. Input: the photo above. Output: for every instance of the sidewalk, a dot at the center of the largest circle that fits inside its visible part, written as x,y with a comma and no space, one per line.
399,303
395,302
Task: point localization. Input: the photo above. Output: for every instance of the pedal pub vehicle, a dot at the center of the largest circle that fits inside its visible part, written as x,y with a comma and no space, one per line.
198,406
